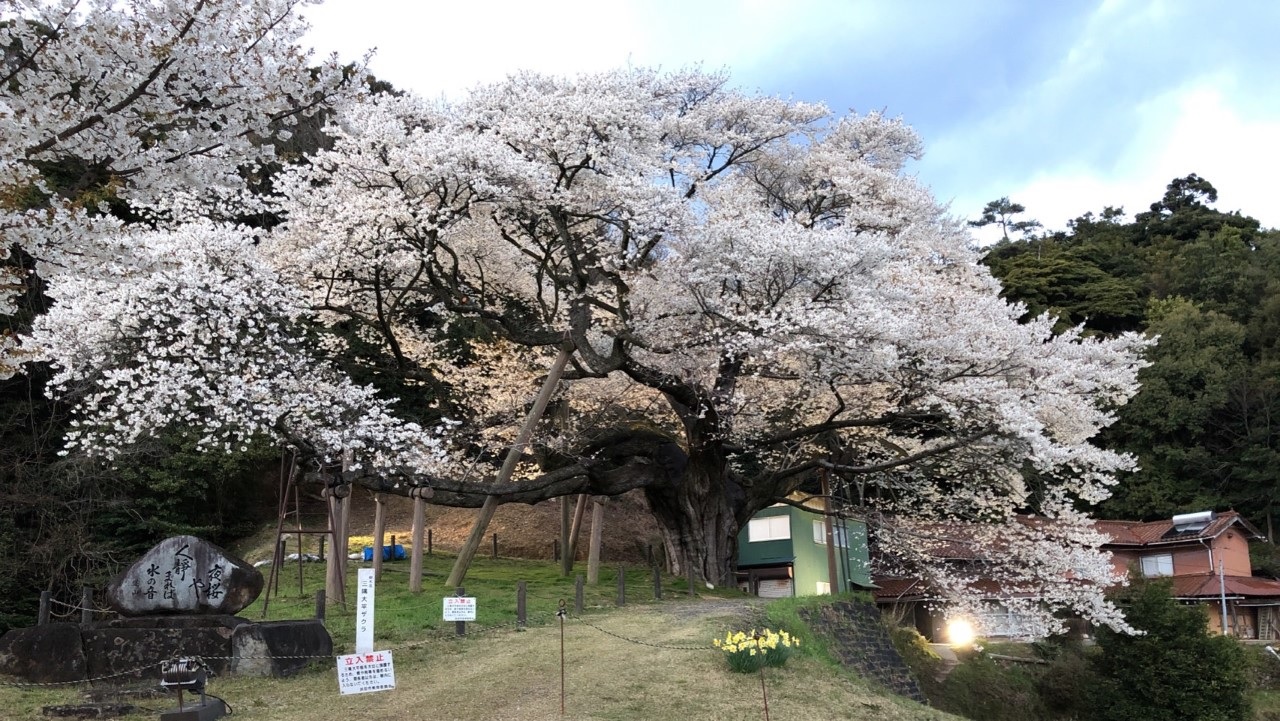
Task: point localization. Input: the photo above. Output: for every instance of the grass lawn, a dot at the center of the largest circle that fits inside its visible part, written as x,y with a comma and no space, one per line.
499,673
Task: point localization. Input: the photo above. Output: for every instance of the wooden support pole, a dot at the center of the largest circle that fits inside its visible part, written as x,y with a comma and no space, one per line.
522,616
566,550
575,528
331,563
344,546
415,561
597,537
833,574
86,604
322,540
42,615
495,546
320,604
379,532
622,586
336,567
578,601
472,544
297,514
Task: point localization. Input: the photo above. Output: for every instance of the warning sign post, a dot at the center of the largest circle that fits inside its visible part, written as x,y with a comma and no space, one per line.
459,608
366,672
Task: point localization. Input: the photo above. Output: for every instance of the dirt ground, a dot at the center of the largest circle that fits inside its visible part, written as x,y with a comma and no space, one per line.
523,531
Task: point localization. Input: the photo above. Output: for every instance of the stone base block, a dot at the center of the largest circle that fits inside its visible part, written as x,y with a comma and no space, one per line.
43,654
279,648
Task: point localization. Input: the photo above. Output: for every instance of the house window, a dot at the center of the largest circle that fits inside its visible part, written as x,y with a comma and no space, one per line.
1161,565
823,588
820,535
774,528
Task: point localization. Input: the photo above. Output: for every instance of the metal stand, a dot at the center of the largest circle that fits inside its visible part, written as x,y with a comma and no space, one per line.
188,674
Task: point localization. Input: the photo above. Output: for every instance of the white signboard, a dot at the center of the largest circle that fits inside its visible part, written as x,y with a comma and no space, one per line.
459,608
366,672
364,610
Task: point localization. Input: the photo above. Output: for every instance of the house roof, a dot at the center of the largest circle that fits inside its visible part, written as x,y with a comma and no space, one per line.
1153,533
1208,585
900,589
913,589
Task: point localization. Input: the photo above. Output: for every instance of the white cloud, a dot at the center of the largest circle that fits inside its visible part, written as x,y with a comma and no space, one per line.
1195,129
436,48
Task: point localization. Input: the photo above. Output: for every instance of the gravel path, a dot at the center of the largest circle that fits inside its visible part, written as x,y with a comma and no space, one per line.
746,609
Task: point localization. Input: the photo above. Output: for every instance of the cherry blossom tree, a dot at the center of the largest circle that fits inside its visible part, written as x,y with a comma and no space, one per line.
155,110
753,293
749,289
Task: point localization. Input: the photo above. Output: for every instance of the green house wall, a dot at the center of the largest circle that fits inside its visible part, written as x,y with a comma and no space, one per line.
809,559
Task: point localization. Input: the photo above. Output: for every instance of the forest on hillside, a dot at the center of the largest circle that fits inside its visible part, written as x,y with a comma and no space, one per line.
1205,426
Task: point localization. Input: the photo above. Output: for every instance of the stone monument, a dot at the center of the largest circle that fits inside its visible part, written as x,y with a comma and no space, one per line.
184,575
179,599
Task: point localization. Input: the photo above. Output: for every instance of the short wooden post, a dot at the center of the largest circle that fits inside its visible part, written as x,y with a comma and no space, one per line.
495,546
555,550
657,580
689,574
319,604
322,548
522,616
42,616
86,604
460,627
622,585
429,551
577,594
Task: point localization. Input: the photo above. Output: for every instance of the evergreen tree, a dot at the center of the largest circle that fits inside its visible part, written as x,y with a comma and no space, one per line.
1175,670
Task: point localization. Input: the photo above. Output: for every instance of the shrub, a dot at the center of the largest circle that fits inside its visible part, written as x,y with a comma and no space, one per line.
982,689
1176,669
749,652
1067,683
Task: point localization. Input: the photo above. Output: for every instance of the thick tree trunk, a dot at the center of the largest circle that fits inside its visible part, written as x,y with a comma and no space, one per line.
697,519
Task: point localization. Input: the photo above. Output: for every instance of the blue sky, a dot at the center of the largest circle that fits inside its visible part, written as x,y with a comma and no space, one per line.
1062,105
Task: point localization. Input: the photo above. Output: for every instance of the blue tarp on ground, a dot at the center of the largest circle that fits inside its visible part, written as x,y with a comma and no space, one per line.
389,553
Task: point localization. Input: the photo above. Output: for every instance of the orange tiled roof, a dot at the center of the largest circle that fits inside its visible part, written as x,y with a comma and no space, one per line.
1138,533
1207,585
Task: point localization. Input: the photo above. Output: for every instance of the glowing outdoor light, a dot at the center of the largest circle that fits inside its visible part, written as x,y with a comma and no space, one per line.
960,632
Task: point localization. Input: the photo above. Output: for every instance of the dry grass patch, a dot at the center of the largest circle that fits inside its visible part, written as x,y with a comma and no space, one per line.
509,675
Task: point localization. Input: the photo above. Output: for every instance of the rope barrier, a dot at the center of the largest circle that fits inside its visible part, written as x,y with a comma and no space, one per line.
638,642
433,635
77,682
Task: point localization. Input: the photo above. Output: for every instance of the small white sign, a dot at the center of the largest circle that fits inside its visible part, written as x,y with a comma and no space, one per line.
364,610
459,608
366,672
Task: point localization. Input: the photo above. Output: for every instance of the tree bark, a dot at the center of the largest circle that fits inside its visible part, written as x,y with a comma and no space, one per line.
697,519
